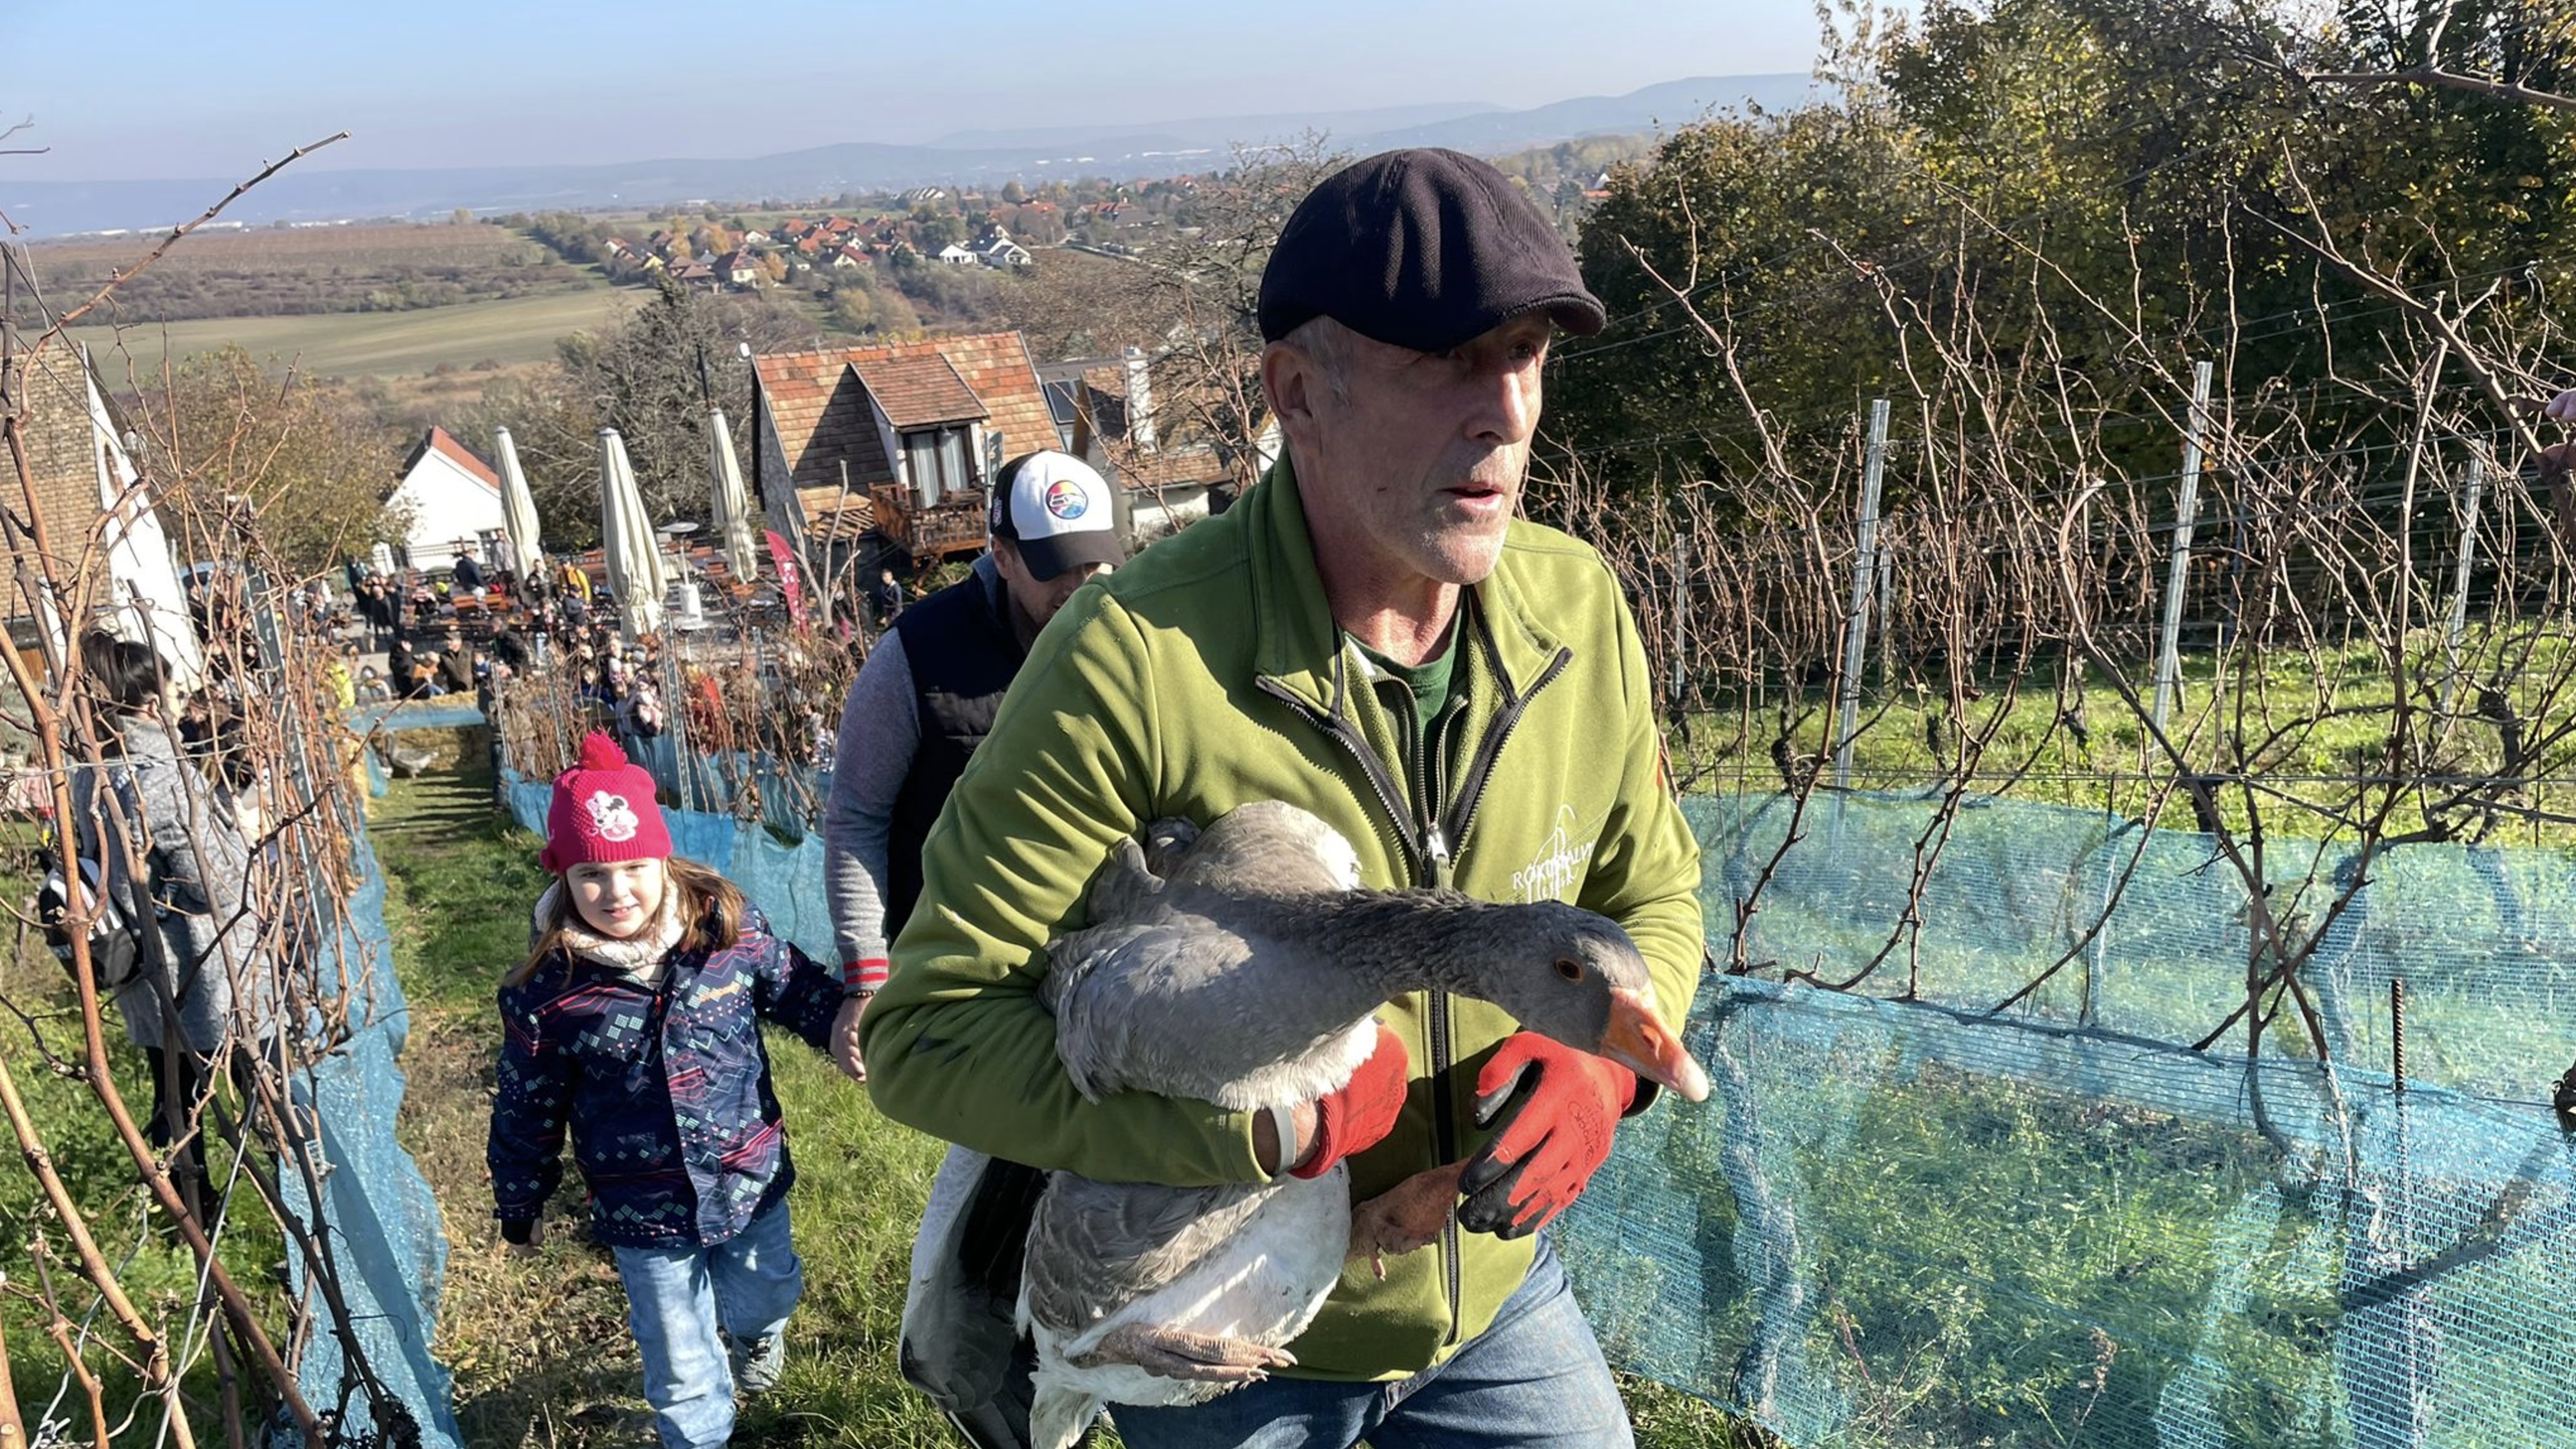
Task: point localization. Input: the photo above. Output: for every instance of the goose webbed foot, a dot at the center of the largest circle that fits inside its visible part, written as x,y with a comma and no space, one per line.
1406,1217
1177,1353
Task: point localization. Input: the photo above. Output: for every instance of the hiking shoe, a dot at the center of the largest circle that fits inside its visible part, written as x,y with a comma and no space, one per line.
757,1364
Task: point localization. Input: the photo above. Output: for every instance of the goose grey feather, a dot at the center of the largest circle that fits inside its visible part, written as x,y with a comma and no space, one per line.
1110,1237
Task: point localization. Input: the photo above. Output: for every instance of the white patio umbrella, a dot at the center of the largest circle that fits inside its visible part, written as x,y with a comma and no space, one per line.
732,504
151,605
633,555
518,510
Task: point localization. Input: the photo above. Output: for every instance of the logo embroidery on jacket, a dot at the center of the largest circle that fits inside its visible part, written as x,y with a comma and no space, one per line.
1559,869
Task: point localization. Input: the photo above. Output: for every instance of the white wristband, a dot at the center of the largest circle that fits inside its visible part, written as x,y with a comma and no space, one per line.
1283,1122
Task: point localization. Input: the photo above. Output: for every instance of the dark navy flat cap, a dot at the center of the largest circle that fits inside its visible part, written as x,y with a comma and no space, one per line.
1425,249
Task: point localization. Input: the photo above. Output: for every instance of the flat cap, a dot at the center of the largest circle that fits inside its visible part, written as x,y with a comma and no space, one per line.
1425,249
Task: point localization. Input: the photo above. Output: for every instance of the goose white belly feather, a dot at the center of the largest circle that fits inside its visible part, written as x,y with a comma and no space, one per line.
1265,1284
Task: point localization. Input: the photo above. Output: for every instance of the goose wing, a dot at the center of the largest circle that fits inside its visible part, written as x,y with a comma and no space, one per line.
1096,1247
1122,997
1264,848
1126,888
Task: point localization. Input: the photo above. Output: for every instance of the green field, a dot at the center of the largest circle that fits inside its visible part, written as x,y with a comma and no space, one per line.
369,344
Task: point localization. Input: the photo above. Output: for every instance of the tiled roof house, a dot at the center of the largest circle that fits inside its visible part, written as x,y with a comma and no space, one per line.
1145,444
74,455
452,500
926,419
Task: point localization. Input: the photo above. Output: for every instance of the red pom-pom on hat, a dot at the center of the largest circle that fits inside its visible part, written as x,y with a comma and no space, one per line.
599,752
603,811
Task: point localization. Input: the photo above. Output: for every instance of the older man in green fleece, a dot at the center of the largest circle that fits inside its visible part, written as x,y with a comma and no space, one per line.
1373,634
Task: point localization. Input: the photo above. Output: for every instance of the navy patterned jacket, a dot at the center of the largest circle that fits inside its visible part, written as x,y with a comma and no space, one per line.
665,1092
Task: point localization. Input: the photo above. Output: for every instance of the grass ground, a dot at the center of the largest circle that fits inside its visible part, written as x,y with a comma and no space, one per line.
538,1346
368,344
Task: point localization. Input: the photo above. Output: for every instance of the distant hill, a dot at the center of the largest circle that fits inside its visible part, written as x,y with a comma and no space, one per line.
1666,105
53,208
1219,131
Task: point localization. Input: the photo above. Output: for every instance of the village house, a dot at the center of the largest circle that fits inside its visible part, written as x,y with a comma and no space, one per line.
847,255
1002,252
741,269
884,452
957,255
1114,421
77,461
453,501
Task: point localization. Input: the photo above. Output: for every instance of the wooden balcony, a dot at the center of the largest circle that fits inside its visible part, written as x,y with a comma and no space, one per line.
954,525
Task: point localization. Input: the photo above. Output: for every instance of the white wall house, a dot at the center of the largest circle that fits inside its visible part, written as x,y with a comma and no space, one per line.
454,500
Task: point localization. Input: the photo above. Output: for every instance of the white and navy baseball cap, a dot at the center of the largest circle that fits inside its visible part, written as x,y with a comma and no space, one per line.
1059,511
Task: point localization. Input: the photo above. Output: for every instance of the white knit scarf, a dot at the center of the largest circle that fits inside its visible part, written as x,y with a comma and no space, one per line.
643,956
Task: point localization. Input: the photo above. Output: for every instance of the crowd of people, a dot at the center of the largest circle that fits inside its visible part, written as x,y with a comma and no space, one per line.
1372,634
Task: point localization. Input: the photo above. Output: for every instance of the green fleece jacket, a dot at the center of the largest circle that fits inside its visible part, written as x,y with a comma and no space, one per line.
1209,673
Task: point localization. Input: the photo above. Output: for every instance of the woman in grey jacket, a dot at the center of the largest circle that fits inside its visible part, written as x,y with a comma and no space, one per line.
174,855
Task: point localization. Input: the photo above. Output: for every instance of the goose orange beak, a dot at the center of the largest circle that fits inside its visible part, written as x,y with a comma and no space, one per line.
1637,1039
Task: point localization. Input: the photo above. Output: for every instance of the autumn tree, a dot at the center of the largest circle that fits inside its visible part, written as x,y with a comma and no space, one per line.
315,463
2139,174
651,377
1192,304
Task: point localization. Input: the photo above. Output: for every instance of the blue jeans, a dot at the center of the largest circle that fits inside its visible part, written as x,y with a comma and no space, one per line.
1534,1380
678,1302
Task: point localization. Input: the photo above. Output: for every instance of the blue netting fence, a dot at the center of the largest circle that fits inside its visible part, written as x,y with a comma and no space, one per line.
1908,1218
1924,1221
374,1215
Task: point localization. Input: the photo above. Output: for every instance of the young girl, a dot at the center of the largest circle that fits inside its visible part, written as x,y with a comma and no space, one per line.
634,1024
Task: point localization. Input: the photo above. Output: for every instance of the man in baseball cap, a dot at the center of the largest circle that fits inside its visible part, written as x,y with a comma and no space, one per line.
1061,524
929,691
1374,634
917,712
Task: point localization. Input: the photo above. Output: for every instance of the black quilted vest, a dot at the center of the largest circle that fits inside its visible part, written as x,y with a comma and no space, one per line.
963,654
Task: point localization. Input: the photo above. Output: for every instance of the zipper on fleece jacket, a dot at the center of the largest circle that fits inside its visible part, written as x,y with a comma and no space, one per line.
1430,845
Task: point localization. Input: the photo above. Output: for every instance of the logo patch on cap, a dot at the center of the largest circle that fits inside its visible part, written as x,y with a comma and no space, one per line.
1066,500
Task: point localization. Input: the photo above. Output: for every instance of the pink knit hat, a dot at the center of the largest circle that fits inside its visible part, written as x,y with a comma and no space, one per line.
603,811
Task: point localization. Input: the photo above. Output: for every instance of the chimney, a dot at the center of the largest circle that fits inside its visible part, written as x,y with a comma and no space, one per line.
1140,401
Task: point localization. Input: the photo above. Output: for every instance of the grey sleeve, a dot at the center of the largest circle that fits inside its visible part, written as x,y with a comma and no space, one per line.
880,729
203,867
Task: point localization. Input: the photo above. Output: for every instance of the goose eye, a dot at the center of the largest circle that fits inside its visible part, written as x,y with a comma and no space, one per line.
1569,968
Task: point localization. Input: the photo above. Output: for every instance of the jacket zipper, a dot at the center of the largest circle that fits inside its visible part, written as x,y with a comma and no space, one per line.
1429,846
1442,838
1343,733
1444,1127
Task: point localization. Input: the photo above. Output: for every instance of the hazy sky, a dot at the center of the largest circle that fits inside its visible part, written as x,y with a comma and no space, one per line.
207,88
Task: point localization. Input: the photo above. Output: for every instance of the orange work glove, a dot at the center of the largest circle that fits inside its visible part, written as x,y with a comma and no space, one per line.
1552,1109
1358,1116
